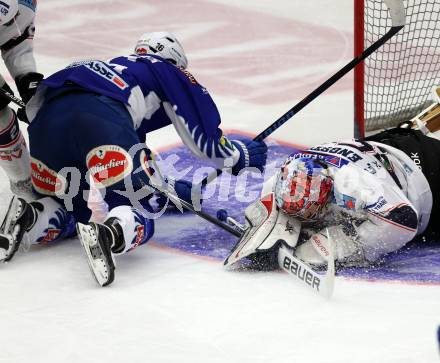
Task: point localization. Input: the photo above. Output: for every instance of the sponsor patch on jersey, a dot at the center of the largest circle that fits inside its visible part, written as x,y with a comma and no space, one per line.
344,201
349,202
45,180
381,202
104,71
328,159
189,76
109,164
346,153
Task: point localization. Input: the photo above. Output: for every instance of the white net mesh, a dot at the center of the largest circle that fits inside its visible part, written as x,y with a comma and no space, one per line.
399,76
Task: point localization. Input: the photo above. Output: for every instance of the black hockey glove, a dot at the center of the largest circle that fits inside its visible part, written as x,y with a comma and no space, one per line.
27,84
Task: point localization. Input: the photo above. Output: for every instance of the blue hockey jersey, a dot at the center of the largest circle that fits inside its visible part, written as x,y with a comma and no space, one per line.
156,94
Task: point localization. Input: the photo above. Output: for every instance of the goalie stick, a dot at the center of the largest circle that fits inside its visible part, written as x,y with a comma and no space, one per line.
189,206
320,283
397,12
323,284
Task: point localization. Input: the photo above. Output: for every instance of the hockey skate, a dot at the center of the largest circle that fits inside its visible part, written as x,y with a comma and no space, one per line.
19,218
23,189
97,240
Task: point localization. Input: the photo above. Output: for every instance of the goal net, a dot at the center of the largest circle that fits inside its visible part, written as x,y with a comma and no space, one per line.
394,83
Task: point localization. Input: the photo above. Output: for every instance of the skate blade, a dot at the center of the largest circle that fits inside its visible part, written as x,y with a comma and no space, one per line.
98,266
5,240
12,215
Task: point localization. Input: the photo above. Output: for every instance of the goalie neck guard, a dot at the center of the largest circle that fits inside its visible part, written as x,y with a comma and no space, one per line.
303,187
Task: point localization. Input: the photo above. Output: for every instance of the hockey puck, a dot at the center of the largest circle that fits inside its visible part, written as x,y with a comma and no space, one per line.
222,215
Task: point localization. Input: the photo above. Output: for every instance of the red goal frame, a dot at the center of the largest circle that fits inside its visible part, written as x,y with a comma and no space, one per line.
359,118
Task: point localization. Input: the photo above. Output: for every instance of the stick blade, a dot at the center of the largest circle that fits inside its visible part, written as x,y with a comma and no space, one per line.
320,283
397,12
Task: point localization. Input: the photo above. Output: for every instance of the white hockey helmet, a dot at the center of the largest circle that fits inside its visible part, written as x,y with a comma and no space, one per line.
163,44
8,11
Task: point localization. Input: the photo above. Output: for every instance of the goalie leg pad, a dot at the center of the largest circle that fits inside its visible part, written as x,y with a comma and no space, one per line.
316,250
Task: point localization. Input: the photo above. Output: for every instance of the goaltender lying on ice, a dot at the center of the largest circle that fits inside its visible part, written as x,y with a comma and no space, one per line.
370,197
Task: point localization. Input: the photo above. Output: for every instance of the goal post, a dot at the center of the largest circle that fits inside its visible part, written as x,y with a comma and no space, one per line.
394,83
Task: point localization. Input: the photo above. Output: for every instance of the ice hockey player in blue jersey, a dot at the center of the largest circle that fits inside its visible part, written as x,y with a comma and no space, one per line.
87,132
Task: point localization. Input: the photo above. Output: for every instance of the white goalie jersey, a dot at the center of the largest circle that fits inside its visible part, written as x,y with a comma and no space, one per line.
379,202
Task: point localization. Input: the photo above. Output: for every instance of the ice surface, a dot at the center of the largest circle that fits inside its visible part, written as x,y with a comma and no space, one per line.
257,58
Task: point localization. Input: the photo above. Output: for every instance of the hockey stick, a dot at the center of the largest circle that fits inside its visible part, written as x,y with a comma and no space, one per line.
397,12
201,214
11,97
321,283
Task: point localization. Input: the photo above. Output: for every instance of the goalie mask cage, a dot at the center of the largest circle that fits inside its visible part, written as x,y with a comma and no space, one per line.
394,83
